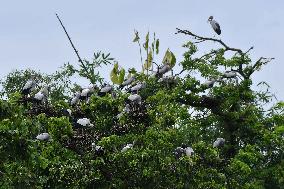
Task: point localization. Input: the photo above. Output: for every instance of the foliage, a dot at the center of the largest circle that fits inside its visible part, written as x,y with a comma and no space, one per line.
175,111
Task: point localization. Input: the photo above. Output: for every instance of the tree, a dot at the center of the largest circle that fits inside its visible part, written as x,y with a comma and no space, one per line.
175,112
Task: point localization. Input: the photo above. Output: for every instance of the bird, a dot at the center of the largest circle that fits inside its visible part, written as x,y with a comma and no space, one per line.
76,98
99,150
230,74
41,96
83,122
43,137
106,89
137,87
209,83
134,98
127,81
188,151
164,69
219,142
127,147
215,25
87,92
66,112
29,86
178,152
125,110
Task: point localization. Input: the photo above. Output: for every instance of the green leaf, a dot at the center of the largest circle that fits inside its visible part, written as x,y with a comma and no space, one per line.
121,76
169,58
157,46
136,37
146,44
113,73
148,62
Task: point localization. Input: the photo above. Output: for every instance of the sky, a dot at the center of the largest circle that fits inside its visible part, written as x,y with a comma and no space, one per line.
31,37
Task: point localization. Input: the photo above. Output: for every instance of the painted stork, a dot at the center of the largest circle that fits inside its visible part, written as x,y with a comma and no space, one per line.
127,82
219,142
137,87
43,137
87,92
106,89
164,69
29,86
127,147
75,99
41,96
135,98
215,25
209,83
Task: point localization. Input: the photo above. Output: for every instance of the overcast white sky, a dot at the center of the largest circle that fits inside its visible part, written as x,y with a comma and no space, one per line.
30,35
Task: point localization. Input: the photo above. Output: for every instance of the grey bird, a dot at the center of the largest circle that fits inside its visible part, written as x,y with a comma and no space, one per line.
216,27
219,142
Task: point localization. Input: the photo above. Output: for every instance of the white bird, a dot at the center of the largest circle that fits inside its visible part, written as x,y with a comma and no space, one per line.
127,81
41,96
106,89
29,86
219,142
216,27
135,98
127,147
138,87
189,151
164,69
87,92
230,74
84,122
125,110
75,99
43,137
209,83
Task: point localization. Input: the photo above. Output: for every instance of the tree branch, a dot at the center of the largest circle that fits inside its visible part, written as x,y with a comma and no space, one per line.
202,39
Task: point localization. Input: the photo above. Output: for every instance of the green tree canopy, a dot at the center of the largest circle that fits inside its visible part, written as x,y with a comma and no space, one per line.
147,142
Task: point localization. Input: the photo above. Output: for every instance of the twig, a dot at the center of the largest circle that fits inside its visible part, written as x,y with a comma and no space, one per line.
201,39
76,51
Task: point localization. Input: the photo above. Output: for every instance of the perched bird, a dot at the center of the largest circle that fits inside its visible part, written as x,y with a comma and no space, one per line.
43,137
138,87
183,150
29,86
230,74
219,142
127,82
164,69
127,147
87,92
66,112
99,150
215,25
178,152
75,99
134,98
209,83
106,89
41,96
83,122
189,151
125,110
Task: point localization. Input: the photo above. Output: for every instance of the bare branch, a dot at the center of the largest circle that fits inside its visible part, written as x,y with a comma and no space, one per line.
201,39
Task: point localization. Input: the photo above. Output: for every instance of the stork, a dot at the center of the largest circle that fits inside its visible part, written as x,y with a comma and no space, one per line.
137,87
29,86
41,96
215,25
75,99
106,89
87,92
219,142
127,147
43,137
127,82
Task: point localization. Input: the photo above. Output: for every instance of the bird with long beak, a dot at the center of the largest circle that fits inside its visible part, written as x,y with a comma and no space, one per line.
29,86
215,25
